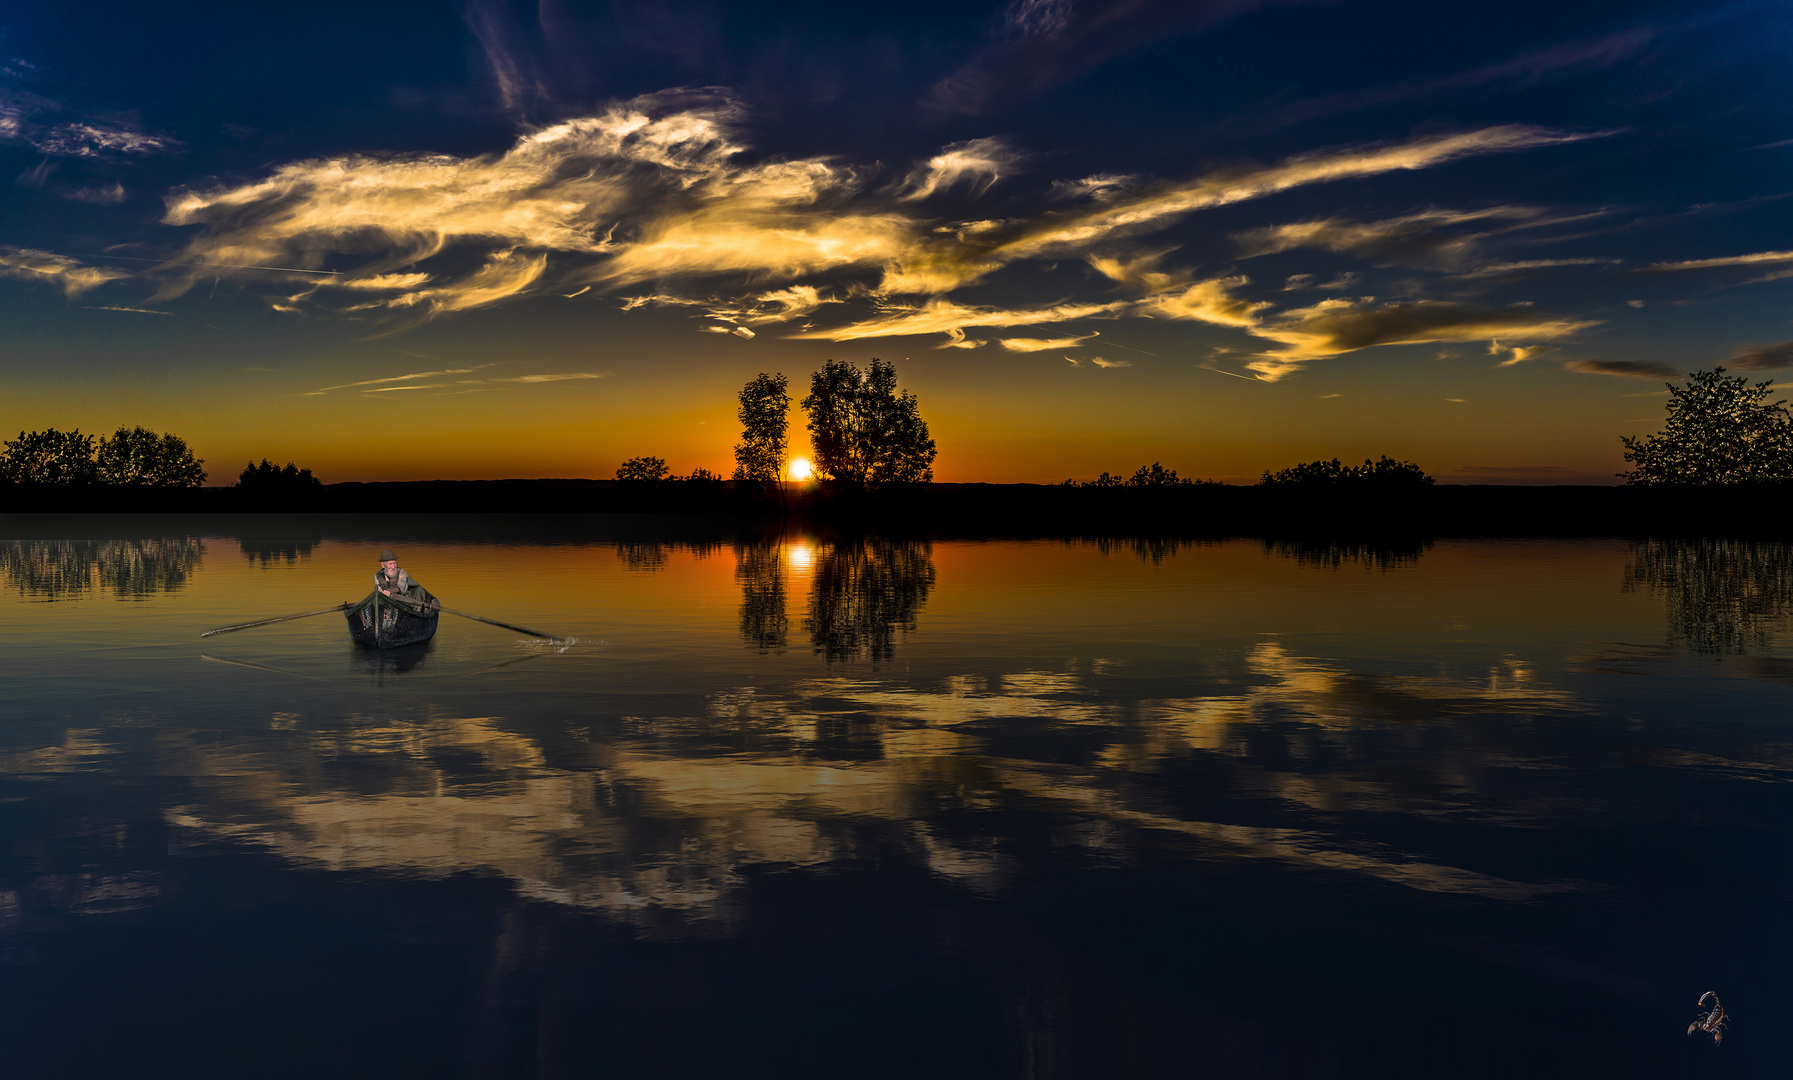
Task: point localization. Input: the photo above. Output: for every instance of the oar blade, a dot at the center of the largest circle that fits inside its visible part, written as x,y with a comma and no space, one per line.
344,606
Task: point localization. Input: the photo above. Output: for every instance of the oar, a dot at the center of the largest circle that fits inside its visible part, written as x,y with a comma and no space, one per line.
258,667
476,618
344,606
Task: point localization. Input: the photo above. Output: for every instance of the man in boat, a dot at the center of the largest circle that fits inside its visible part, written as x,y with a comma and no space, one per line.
389,579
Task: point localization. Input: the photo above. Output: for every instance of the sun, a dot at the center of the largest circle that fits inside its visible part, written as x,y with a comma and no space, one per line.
800,469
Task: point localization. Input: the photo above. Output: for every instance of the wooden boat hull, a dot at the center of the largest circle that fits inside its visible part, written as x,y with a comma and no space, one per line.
378,623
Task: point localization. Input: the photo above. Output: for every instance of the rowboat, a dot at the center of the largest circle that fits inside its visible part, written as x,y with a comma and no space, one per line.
383,622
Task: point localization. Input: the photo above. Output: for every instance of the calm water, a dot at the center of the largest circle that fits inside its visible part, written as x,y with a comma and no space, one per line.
812,808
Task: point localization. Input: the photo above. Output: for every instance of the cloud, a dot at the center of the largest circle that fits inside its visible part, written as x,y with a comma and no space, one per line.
656,189
560,377
1762,357
737,331
1519,353
1758,258
377,282
1036,18
563,188
956,339
509,57
399,378
1027,345
977,164
1628,369
944,317
1209,301
1099,186
1424,238
100,196
1332,327
947,265
92,140
778,305
1041,43
1139,271
69,275
1104,362
19,123
1525,70
1527,265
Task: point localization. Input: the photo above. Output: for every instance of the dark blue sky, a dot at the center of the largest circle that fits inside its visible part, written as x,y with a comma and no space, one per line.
1476,237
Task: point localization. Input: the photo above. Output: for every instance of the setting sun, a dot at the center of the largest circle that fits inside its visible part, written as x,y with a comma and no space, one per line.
800,469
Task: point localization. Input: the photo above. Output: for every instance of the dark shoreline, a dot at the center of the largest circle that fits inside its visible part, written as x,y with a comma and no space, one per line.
994,510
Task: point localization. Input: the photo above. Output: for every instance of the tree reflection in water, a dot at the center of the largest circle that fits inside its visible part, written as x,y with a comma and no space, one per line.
1152,549
266,553
1333,553
648,557
865,590
128,569
1722,595
759,570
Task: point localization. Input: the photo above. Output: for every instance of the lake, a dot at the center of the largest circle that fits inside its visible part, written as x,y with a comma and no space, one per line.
809,806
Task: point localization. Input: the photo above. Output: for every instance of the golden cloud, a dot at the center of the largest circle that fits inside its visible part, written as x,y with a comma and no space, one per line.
70,275
1339,326
944,317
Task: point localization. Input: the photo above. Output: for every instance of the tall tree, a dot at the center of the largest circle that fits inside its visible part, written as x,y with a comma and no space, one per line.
765,426
1720,430
862,430
48,457
141,458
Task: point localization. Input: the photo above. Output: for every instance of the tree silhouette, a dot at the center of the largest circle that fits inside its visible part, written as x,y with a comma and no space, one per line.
765,405
138,457
642,468
1720,430
1385,473
49,457
862,431
269,478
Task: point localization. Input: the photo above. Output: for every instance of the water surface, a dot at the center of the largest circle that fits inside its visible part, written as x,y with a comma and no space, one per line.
810,807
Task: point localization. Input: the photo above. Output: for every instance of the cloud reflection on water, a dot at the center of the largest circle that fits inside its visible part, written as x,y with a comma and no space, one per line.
1273,755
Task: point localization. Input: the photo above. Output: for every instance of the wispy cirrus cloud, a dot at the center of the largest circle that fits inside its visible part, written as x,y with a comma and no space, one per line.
1434,238
1526,266
1755,258
411,377
1031,344
1038,44
1332,327
70,275
1533,67
414,380
1624,369
945,317
29,119
656,190
975,165
1762,357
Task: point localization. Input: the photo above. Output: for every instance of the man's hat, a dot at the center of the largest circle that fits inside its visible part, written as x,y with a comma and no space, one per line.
388,556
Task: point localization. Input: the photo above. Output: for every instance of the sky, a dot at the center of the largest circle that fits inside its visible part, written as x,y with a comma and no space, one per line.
486,240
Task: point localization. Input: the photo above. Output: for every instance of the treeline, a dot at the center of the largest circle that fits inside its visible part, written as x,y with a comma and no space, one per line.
133,457
130,457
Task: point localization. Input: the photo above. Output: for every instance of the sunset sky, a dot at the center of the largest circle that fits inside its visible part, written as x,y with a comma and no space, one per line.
402,241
